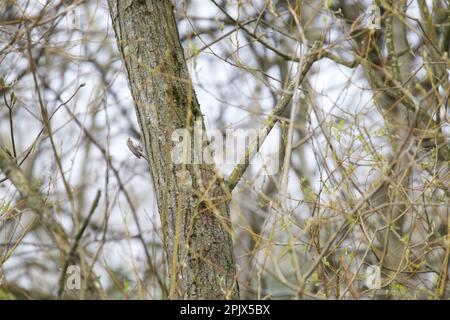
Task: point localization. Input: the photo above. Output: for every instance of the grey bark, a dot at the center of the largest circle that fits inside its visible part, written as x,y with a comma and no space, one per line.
193,201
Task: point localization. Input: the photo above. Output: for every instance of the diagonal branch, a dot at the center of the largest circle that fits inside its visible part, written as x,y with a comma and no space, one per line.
33,199
312,56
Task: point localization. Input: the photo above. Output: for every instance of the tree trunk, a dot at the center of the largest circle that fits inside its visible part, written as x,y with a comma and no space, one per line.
192,201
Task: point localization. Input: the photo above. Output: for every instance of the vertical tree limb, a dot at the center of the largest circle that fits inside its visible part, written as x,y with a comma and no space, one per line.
195,216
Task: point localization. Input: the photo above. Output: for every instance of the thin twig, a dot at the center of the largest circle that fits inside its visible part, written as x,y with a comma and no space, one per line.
76,243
